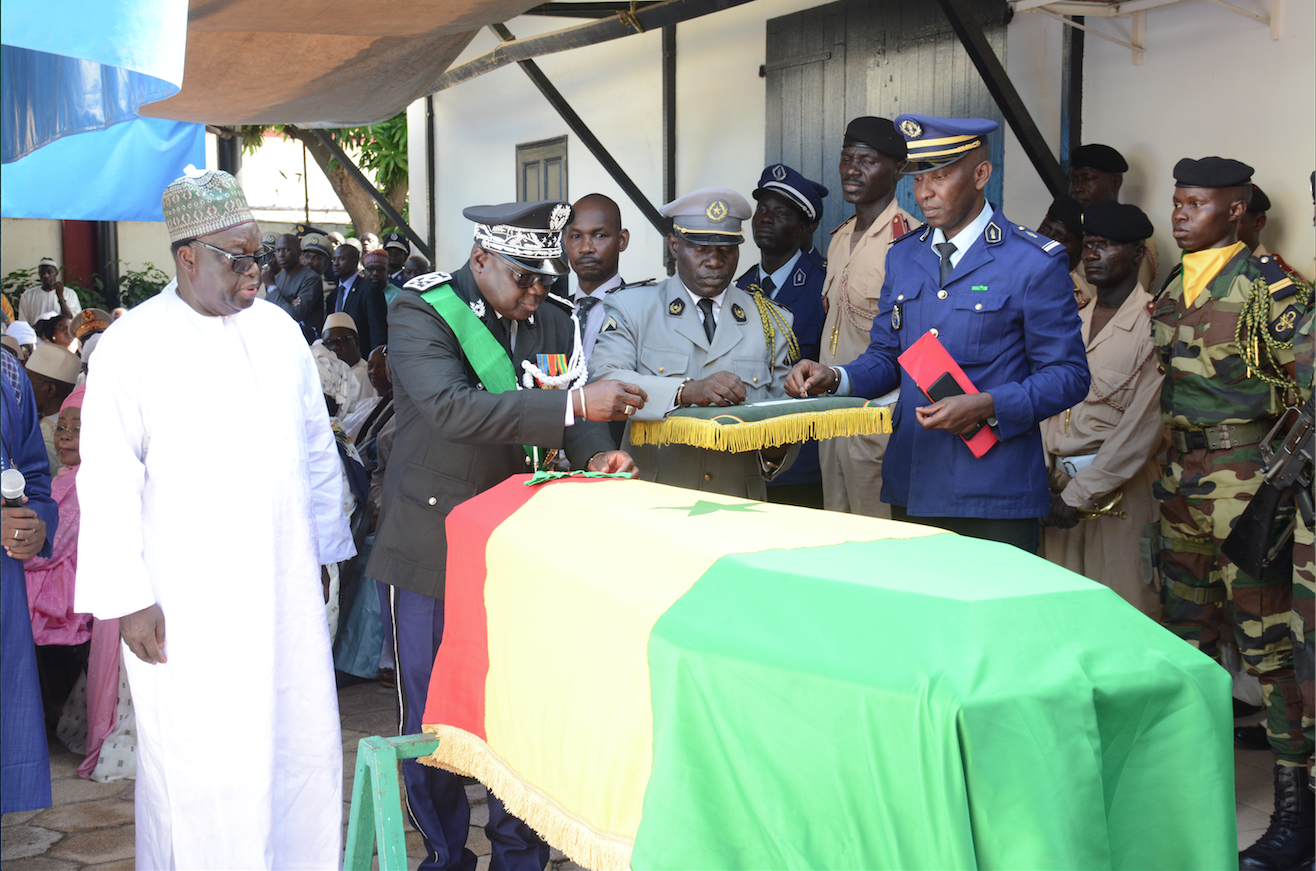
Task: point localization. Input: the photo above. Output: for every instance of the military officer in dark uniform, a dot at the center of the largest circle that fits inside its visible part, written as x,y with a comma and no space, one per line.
997,296
788,211
457,345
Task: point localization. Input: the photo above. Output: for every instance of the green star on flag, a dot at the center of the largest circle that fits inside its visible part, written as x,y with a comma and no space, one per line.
704,507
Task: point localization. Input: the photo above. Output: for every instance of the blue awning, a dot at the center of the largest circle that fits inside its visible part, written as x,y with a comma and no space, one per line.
74,76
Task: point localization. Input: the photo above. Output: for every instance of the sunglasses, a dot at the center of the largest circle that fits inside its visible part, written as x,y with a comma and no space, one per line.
526,280
241,263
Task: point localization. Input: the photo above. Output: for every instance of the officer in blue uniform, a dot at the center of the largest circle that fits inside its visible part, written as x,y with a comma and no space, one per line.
788,211
998,297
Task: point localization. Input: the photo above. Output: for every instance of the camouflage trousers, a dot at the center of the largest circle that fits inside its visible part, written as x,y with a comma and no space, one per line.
1202,494
1304,622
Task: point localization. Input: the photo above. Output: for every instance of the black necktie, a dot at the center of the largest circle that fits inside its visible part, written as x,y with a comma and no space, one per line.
946,249
583,308
768,286
706,306
342,298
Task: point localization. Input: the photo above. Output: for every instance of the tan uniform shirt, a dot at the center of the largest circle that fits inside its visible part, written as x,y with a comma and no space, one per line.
852,467
1125,440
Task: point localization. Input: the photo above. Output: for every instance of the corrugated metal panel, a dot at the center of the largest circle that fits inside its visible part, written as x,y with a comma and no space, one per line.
832,63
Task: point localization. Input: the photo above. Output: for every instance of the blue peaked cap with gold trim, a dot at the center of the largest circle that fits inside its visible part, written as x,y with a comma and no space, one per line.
938,142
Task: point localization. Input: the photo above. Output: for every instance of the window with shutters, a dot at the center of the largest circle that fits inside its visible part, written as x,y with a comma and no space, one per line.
541,170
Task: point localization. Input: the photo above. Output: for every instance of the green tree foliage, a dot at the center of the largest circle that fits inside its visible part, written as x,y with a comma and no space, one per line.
383,150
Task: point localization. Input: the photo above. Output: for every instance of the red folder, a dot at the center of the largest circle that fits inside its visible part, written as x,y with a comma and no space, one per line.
926,361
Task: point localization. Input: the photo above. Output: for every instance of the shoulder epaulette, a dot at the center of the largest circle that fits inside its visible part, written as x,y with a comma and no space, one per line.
914,231
422,283
1050,246
1277,280
832,231
562,301
648,282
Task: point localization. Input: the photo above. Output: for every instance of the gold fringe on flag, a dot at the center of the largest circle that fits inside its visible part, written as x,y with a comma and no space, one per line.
461,752
754,435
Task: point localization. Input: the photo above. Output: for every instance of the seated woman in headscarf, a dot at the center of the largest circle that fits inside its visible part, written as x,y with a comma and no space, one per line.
61,634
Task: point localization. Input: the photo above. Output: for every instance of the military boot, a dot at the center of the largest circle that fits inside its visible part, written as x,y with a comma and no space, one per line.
1288,843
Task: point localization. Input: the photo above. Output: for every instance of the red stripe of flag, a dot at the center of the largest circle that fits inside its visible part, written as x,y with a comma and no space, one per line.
456,695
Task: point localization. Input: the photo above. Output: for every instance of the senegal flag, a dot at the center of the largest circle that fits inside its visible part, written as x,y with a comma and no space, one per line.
655,677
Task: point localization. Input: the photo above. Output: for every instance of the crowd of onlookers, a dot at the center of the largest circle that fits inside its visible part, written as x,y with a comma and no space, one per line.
85,696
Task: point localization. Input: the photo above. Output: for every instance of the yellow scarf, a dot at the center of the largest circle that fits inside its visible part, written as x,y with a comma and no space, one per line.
1199,267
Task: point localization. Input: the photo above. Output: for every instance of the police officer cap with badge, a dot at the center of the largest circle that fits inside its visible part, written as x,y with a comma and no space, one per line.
789,209
398,249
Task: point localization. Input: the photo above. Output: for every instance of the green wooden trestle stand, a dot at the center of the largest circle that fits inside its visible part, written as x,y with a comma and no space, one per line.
377,805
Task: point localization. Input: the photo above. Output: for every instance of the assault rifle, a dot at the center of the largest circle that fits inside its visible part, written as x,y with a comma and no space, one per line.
1288,469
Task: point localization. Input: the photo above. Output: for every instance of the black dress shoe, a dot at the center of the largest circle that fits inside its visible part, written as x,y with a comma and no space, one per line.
1243,709
1251,738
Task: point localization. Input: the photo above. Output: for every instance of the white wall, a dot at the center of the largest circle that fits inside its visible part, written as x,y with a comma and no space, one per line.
143,242
24,241
1033,53
1213,83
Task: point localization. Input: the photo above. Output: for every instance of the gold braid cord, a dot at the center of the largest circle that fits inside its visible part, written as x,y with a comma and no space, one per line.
772,318
1097,397
852,311
1255,341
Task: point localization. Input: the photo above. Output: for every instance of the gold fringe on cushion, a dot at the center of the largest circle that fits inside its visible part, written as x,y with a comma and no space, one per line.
754,435
461,752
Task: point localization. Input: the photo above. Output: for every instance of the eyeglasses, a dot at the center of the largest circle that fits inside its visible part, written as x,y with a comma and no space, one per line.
67,430
525,280
241,263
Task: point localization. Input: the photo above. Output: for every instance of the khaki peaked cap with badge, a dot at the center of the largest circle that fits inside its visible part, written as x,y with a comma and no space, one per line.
709,216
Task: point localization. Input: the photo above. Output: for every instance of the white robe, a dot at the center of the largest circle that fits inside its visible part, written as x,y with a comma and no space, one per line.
210,484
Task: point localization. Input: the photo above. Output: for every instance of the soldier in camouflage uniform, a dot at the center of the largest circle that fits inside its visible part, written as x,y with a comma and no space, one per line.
1223,328
1304,561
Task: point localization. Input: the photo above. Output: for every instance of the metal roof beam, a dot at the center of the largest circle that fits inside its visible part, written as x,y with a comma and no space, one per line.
652,17
1012,106
587,137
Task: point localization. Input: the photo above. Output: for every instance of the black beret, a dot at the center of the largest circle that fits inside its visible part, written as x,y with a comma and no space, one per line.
1066,210
876,133
1101,157
1211,172
1260,202
1121,222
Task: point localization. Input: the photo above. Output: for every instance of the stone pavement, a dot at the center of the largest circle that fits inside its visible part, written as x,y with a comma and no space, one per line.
91,824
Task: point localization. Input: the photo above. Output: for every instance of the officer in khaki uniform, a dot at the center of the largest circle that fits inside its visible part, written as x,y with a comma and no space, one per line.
1106,445
696,339
1096,174
872,155
1221,397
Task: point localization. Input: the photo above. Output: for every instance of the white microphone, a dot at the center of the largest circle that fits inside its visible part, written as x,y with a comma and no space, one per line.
12,485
